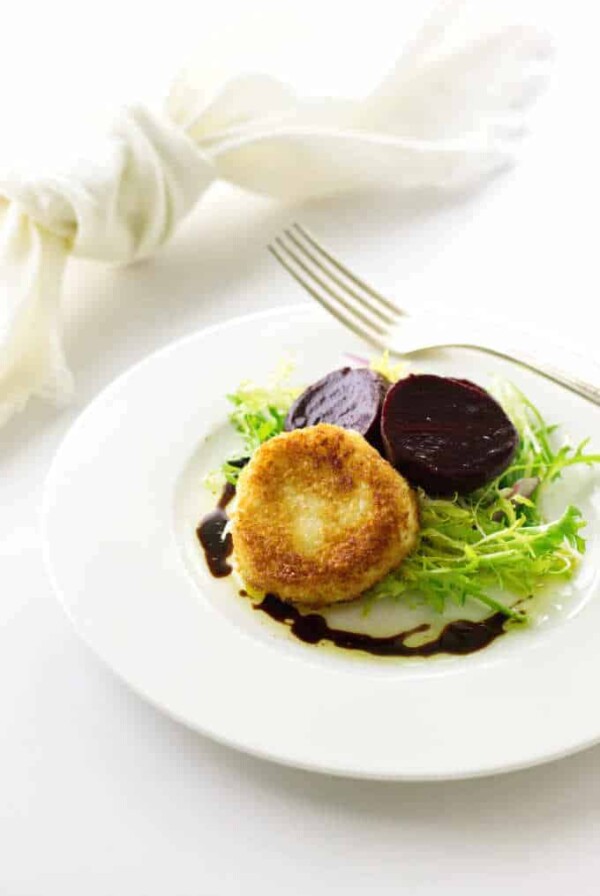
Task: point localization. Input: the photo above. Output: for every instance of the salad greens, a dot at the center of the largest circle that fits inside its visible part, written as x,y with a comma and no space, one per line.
387,368
470,546
258,414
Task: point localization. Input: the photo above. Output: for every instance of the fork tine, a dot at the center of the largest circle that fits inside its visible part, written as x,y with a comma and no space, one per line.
372,336
385,303
379,326
363,300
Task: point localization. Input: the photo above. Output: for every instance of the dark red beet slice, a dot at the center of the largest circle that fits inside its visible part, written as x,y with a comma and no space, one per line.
351,398
446,435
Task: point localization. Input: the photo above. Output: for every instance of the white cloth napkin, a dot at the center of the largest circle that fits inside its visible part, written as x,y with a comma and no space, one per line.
447,116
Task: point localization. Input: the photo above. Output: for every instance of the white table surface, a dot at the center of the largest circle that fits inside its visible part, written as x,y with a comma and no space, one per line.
99,793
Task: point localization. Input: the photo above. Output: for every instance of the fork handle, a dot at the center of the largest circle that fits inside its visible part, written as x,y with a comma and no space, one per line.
554,374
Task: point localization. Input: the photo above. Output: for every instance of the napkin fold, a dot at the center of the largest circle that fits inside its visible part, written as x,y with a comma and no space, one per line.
447,116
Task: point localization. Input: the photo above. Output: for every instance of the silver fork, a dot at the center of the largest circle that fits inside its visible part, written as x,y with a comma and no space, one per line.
384,324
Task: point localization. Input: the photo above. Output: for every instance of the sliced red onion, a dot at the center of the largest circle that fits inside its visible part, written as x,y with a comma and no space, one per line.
524,488
356,359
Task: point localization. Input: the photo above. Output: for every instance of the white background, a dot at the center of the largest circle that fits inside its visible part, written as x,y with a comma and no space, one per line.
99,794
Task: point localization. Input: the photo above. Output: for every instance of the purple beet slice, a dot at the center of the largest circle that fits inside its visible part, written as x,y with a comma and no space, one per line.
350,397
446,435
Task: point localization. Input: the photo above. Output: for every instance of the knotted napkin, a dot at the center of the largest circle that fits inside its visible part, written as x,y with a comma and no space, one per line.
446,116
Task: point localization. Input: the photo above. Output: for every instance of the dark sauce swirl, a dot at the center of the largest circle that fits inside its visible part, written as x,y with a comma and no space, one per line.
459,638
217,546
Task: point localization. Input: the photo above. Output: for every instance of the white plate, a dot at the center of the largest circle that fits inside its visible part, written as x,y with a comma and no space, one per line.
122,500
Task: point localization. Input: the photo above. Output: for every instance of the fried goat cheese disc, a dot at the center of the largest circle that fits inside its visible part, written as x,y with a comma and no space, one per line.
321,516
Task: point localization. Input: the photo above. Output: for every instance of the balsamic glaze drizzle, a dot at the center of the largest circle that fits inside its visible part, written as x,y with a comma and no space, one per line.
460,637
217,547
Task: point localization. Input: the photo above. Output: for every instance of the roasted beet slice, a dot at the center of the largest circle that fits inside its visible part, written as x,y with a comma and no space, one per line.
446,435
350,397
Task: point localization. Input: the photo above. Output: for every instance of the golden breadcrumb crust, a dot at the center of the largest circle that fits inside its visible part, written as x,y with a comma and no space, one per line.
321,516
